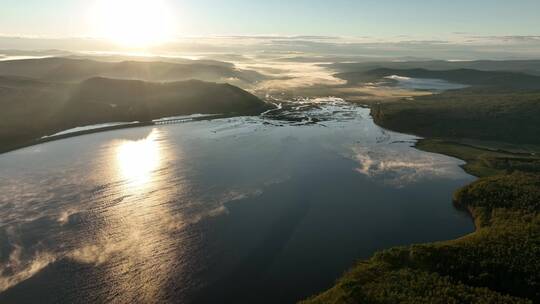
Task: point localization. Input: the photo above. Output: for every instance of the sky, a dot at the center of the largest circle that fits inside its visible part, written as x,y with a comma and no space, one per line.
426,19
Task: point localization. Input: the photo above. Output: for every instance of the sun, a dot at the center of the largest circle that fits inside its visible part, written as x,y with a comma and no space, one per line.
133,23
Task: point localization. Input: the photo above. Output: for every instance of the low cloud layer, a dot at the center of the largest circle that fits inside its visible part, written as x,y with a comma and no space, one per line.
462,46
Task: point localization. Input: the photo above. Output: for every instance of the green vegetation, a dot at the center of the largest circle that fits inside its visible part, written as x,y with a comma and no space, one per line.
483,162
504,116
496,264
531,67
507,80
32,109
495,131
40,97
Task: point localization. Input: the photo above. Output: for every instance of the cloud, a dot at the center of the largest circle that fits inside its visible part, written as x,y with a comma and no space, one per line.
271,37
424,42
455,45
507,39
293,75
402,167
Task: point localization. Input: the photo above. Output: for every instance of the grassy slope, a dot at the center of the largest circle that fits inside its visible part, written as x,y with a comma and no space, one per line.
499,262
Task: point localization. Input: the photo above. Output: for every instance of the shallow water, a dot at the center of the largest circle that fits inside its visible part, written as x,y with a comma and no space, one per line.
243,210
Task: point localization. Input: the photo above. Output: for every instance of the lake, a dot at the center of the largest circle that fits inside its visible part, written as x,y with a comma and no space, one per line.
240,210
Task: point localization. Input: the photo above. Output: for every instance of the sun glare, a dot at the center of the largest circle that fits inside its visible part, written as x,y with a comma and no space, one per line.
133,23
138,159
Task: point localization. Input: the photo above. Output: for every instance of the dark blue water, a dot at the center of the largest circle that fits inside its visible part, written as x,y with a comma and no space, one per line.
241,210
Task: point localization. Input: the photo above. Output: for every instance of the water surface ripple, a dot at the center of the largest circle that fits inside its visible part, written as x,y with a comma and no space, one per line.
244,210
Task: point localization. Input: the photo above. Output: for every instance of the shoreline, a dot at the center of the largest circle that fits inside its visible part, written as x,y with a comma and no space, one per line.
52,138
418,271
478,216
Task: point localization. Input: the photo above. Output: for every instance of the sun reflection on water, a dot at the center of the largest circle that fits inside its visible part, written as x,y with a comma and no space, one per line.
137,160
135,244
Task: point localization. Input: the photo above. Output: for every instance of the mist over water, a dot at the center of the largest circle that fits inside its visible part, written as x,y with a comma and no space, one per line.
234,210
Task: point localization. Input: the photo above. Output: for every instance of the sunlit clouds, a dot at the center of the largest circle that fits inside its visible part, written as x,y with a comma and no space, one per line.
288,75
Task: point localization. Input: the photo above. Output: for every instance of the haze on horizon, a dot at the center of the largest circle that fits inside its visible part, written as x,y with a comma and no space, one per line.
387,19
457,30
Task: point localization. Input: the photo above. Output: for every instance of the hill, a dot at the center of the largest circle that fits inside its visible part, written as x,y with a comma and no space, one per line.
33,108
63,69
466,114
100,100
498,79
531,67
